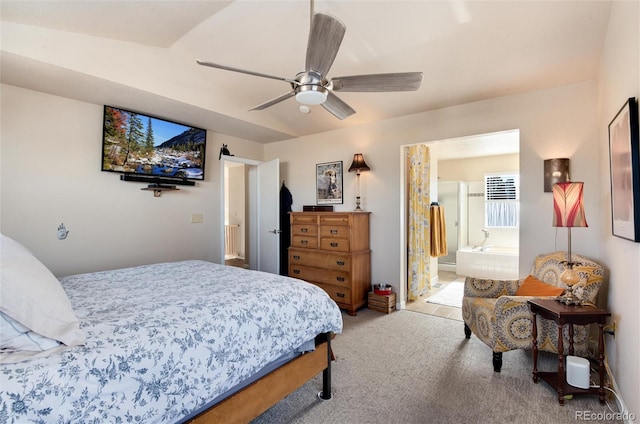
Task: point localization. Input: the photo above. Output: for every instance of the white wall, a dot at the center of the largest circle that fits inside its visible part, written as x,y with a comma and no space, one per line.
619,80
50,174
473,169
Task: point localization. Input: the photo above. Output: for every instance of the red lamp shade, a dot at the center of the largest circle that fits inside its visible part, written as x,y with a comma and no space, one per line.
568,205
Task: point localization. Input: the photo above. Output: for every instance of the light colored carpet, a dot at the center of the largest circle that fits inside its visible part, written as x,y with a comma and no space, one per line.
450,295
408,367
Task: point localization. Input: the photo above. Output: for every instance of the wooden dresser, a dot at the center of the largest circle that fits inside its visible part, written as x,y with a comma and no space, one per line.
331,250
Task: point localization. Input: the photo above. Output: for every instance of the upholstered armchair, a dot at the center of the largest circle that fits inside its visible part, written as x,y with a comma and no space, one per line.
503,321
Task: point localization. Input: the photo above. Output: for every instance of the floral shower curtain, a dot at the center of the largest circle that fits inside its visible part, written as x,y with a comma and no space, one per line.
419,274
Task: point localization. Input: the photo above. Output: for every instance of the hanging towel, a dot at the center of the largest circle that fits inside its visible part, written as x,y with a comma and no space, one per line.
438,231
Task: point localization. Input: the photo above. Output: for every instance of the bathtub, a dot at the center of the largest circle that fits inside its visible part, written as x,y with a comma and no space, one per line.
497,262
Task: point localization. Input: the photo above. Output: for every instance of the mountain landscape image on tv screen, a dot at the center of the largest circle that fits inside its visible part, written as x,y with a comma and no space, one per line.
144,145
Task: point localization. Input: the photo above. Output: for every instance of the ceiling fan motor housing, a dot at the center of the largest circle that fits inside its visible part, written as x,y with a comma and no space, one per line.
310,89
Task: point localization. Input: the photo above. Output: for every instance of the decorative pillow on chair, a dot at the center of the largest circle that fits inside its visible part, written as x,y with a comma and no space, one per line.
531,286
33,297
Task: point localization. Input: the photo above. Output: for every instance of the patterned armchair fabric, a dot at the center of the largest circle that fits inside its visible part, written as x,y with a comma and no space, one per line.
503,321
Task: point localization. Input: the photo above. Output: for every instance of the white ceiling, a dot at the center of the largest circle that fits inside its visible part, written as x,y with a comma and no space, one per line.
141,55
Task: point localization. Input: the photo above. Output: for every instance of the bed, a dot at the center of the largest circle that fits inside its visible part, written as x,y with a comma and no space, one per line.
188,341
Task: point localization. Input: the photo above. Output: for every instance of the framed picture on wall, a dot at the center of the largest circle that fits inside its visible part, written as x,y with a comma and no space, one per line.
329,183
624,162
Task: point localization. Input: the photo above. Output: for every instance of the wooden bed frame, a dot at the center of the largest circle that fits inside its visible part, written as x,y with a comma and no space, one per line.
253,400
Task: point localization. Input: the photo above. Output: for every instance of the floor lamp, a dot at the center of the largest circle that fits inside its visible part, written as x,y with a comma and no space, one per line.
568,211
358,165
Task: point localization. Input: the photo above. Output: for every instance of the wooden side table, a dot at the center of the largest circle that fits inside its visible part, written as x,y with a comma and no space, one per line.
563,314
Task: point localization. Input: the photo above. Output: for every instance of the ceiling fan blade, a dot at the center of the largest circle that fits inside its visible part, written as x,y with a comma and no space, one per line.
403,81
243,71
325,38
337,107
274,101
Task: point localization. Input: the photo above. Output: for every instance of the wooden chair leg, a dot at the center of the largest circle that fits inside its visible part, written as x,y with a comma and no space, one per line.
497,361
467,331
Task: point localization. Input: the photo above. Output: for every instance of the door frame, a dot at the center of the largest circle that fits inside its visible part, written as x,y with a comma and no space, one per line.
251,216
404,198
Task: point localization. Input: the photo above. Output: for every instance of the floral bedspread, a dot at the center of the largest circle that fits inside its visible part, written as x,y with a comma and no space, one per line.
162,341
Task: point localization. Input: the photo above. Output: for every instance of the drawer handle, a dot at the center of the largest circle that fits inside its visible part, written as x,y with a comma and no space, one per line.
341,279
304,230
296,271
340,294
334,231
296,257
305,242
334,244
340,263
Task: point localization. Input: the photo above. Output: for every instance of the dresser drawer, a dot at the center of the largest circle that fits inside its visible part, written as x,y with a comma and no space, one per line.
304,219
335,219
341,295
310,258
334,244
334,231
319,275
310,242
320,260
304,229
339,262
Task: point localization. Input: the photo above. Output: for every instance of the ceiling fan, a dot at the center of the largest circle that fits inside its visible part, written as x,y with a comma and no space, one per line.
312,87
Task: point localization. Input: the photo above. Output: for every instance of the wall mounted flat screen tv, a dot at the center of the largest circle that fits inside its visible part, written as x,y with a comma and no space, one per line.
143,145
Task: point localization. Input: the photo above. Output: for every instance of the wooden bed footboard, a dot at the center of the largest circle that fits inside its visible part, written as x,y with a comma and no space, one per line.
253,400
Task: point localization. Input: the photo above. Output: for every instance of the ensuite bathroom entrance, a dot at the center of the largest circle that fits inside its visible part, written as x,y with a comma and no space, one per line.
464,174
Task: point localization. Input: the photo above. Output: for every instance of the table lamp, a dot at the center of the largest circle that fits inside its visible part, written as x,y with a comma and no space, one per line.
358,165
568,211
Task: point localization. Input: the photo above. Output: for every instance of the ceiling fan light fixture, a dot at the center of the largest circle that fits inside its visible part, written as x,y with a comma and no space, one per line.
311,95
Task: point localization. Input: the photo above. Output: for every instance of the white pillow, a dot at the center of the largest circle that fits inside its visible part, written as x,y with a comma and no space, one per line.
31,295
15,337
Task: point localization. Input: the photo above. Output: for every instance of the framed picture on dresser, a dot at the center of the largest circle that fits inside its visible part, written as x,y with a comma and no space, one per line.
624,161
329,183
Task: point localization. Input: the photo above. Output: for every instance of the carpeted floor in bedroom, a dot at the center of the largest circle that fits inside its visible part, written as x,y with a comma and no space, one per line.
409,367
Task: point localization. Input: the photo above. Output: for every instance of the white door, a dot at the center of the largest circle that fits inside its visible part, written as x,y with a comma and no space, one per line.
269,216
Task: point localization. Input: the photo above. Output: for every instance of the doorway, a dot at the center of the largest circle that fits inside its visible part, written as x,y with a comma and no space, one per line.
249,202
456,166
235,215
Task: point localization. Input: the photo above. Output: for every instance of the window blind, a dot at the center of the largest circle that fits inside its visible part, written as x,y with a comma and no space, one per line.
502,200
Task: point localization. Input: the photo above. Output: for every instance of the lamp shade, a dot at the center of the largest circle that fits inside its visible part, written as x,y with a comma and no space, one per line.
358,164
568,206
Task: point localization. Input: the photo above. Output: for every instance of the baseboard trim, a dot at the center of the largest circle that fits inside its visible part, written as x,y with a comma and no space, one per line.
447,267
627,417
